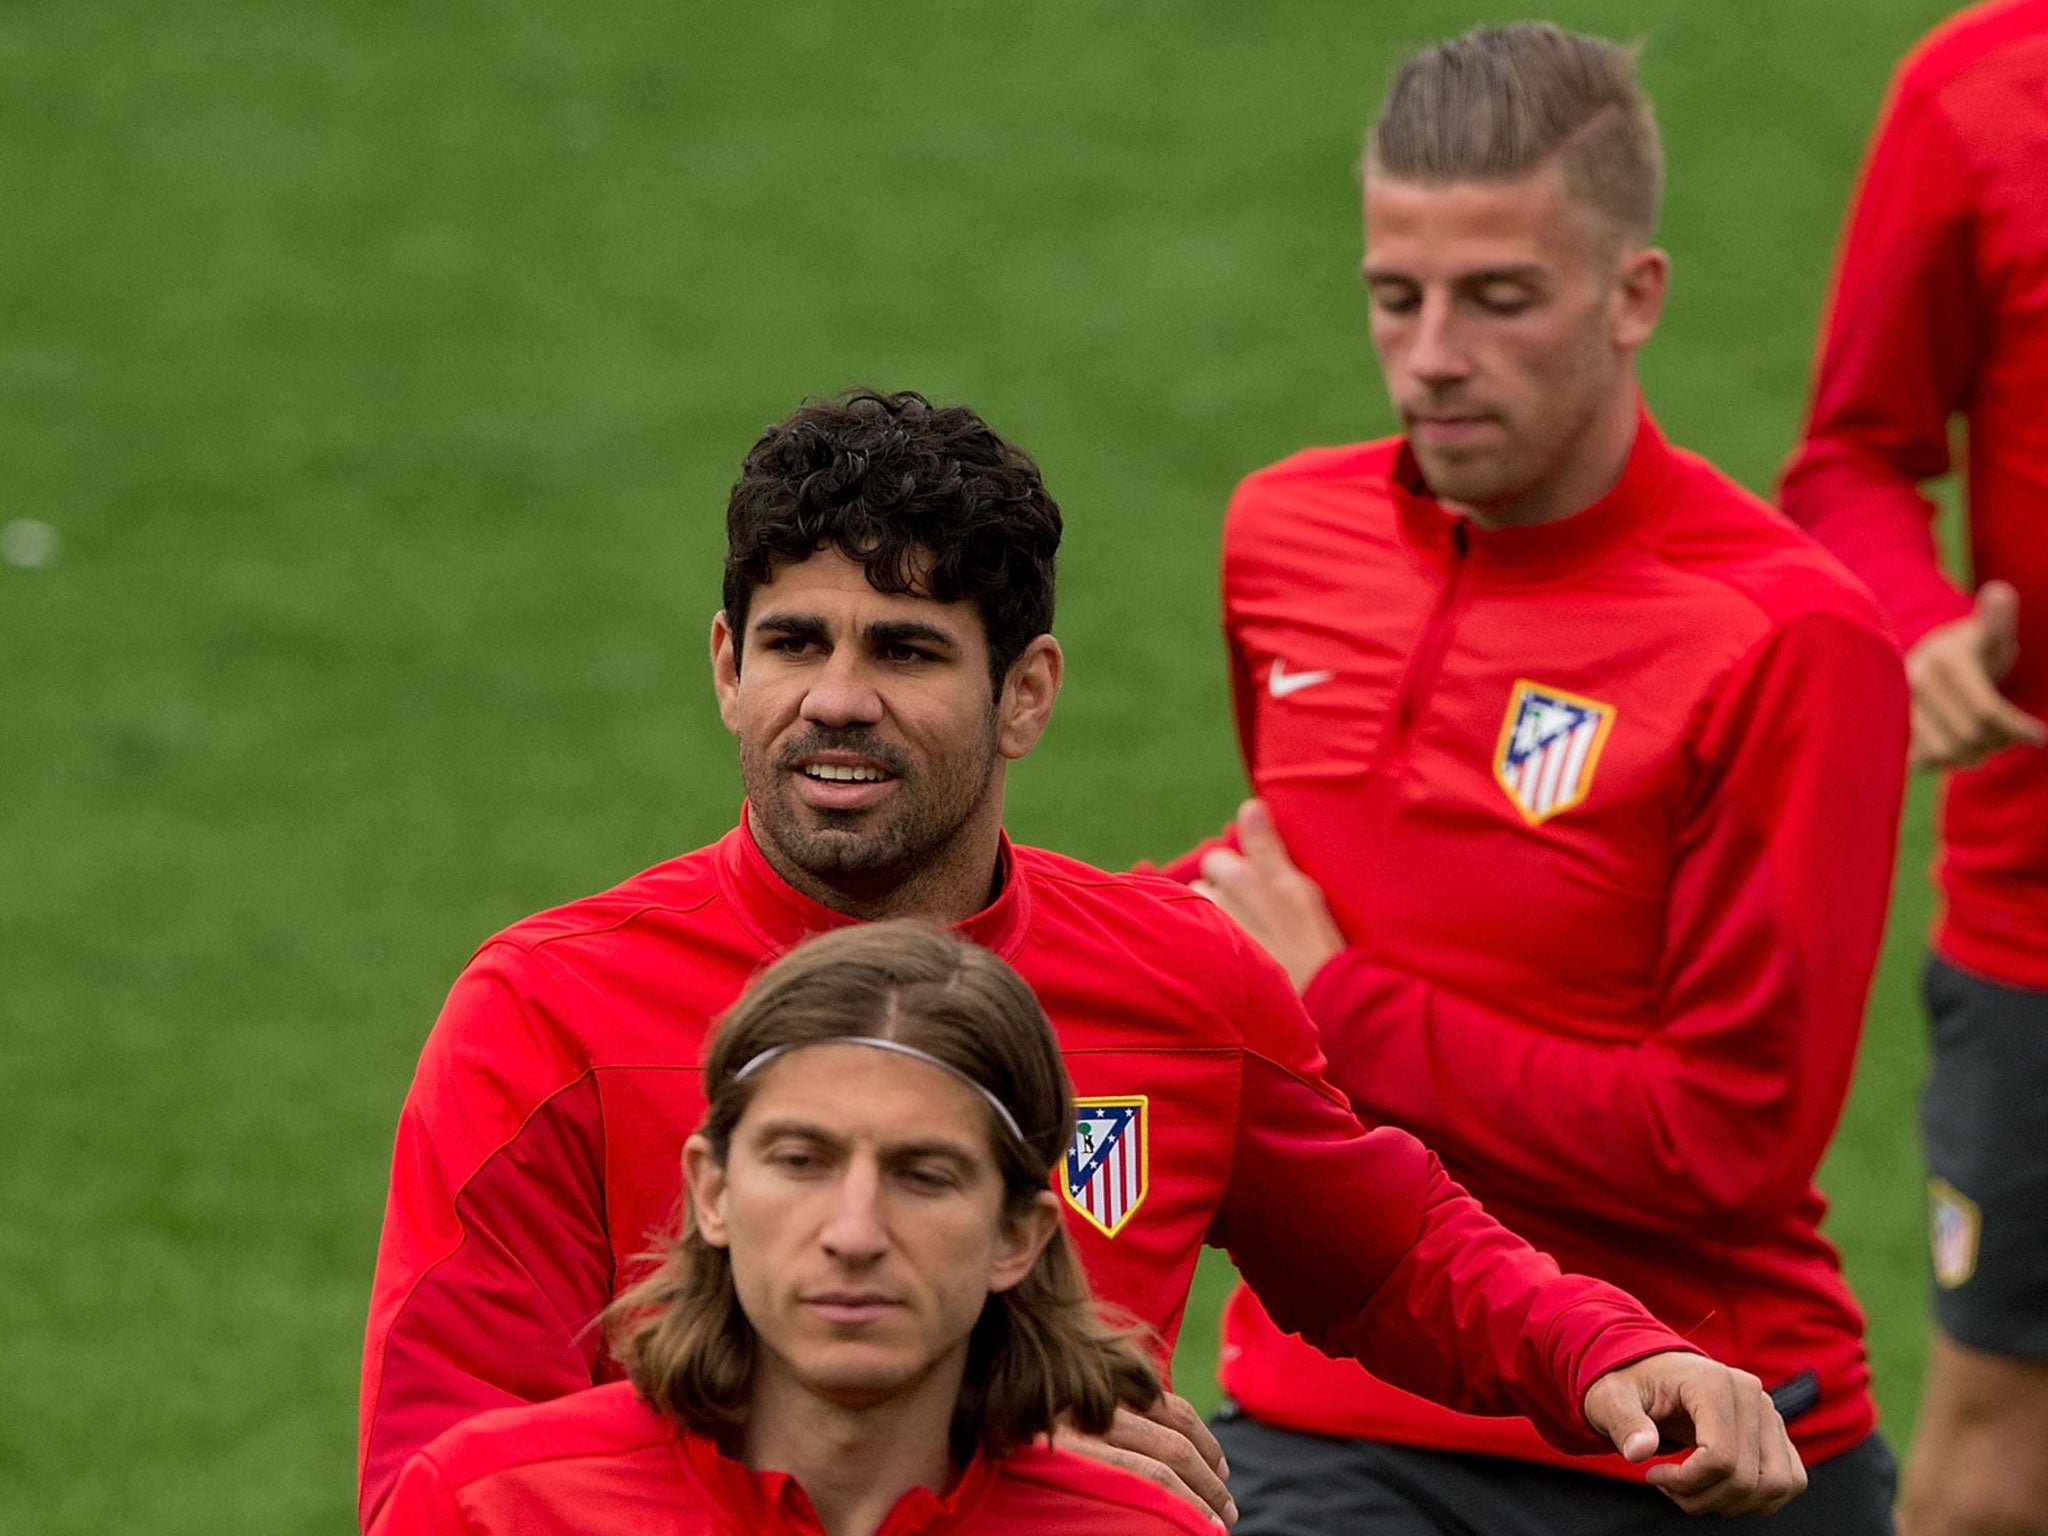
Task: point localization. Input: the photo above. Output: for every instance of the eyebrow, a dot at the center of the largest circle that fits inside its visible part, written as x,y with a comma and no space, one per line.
951,1151
1523,272
809,626
906,631
804,625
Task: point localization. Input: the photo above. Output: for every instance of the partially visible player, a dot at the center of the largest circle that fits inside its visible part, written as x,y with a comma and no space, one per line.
883,654
1939,310
872,1312
1579,774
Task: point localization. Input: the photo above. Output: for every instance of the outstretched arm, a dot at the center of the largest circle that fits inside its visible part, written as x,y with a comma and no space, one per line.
1358,1240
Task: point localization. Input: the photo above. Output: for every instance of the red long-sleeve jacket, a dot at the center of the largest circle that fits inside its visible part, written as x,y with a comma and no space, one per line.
539,1150
602,1463
1605,810
1939,309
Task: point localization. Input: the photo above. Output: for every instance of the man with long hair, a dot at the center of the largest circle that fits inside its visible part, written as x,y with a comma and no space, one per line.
883,653
872,1314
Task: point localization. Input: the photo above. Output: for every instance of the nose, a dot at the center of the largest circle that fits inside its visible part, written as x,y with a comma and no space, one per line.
1436,354
853,1232
842,691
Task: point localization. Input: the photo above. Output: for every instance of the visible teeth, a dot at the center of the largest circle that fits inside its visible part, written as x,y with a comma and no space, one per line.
844,775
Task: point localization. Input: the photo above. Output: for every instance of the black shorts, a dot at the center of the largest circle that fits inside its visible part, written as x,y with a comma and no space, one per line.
1984,1130
1291,1484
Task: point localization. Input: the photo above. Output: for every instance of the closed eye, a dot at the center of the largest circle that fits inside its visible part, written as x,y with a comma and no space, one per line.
929,1178
1393,298
1504,298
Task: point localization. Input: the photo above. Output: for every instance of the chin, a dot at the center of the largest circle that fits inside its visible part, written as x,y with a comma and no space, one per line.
857,1383
1469,482
833,844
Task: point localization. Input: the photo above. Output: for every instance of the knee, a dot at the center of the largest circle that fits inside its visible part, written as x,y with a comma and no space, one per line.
1979,1505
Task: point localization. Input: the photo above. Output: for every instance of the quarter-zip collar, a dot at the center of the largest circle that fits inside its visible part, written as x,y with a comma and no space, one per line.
1539,550
781,916
773,1503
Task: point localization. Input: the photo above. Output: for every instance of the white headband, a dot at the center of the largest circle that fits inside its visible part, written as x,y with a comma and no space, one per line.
1002,1111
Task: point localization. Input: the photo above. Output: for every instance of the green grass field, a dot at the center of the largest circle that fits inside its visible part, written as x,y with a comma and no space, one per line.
382,369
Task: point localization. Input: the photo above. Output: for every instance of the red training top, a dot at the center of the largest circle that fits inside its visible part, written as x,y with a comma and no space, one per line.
602,1463
1605,808
1940,306
539,1150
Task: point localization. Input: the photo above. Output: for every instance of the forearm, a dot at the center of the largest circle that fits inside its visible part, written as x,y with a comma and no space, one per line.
1718,1099
1903,337
1622,1128
1859,498
1476,1319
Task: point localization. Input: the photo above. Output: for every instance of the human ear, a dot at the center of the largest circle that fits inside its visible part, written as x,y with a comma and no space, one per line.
1022,1239
704,1182
1029,690
1640,285
725,670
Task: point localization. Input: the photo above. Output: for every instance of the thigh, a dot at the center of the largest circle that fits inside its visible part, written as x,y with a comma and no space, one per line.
1847,1495
1984,1128
1980,1452
1292,1484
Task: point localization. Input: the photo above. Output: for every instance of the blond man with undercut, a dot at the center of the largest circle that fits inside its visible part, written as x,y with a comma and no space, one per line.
1577,774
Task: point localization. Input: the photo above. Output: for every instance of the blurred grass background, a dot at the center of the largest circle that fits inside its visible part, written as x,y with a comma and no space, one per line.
382,369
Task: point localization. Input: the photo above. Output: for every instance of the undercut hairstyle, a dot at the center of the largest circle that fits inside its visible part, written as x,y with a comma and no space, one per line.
1040,1353
1497,103
927,499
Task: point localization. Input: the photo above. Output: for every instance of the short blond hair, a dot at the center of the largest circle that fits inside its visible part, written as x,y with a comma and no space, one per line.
1498,102
1040,1353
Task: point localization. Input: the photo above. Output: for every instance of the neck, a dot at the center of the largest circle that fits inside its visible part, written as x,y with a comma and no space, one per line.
1598,456
853,1462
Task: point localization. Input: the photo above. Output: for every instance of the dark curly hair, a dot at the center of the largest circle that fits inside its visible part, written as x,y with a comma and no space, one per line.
927,498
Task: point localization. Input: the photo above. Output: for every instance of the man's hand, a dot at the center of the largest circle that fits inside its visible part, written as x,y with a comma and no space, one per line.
1742,1463
1167,1444
1271,900
1959,716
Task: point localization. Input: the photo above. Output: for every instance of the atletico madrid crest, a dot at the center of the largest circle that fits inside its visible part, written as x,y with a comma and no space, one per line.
1549,745
1953,1222
1108,1166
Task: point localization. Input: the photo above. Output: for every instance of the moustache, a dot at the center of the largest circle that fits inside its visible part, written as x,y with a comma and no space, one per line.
856,741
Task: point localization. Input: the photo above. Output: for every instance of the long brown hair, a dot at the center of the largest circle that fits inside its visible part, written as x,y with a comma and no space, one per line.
1039,1353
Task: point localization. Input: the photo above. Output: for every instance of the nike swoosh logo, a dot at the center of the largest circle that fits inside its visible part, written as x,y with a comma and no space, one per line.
1280,682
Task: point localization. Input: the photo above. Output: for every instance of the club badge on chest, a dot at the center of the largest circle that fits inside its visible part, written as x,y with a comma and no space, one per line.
1108,1163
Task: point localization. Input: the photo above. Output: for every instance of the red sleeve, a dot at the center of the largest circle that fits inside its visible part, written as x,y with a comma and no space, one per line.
1906,325
1358,1240
1776,907
494,1260
422,1504
1187,867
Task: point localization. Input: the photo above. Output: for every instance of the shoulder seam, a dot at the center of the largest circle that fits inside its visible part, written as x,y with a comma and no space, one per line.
454,1199
509,936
